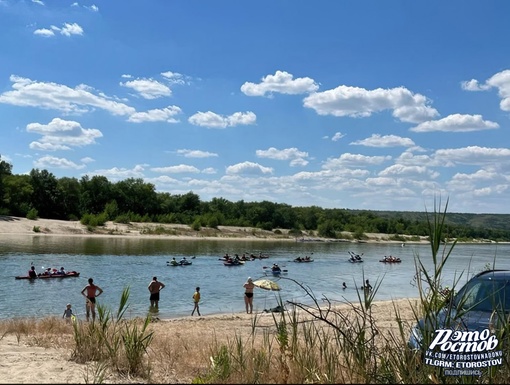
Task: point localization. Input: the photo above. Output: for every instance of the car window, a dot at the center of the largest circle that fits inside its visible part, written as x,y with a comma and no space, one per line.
484,295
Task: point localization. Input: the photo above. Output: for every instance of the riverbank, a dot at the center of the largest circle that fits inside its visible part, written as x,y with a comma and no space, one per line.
37,353
18,225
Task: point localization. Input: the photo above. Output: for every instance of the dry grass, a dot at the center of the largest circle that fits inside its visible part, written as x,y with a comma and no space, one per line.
182,348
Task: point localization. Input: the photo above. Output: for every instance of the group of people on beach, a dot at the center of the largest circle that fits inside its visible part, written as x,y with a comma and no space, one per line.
91,291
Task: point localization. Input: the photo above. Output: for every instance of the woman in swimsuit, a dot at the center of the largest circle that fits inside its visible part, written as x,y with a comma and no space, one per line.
90,292
248,295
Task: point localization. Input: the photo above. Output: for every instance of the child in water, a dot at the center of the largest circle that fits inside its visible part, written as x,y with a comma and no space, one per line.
68,313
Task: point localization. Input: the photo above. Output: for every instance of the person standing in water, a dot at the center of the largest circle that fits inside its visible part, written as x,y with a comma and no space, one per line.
90,292
154,288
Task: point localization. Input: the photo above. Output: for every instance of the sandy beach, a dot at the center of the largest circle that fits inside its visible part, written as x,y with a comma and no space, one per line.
48,227
43,358
36,357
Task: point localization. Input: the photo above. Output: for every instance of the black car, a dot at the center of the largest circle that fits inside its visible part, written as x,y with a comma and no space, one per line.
482,303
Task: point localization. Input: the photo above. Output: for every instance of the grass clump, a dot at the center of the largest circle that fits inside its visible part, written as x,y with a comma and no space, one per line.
114,342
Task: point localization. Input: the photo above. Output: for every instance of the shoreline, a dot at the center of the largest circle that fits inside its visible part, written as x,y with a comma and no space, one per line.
53,227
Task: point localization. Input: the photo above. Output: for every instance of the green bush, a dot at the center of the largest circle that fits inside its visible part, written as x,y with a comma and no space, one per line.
32,214
196,225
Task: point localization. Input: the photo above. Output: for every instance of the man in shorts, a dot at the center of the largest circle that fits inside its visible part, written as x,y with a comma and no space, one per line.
90,292
154,288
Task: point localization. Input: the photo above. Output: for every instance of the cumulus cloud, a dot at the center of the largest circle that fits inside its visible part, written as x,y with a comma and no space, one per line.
377,140
119,173
68,29
359,102
296,157
456,123
48,95
71,29
400,170
47,162
179,169
473,85
500,80
281,82
337,136
210,119
196,153
356,160
148,88
157,115
44,32
62,134
248,168
176,78
473,155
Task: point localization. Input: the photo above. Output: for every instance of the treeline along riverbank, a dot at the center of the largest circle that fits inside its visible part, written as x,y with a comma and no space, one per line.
96,200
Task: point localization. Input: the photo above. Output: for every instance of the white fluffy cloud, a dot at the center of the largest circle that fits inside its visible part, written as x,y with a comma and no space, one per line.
281,82
210,119
359,102
456,123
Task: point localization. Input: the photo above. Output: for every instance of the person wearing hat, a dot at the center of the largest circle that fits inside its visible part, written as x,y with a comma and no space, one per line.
248,295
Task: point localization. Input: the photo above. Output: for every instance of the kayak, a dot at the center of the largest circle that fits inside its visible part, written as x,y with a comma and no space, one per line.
303,260
276,273
51,276
234,263
180,263
397,260
353,260
253,256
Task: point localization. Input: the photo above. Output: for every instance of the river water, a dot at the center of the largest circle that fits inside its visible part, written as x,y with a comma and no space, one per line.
116,263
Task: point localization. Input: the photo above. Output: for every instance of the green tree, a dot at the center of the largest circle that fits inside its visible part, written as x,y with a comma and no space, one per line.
70,192
5,171
96,192
18,195
46,196
136,196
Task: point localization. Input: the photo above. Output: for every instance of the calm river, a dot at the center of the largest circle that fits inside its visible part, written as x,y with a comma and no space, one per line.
116,263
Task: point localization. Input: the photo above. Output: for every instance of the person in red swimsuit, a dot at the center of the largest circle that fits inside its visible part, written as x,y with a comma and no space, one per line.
90,292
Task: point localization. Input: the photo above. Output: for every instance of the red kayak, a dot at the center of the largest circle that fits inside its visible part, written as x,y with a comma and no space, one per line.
50,276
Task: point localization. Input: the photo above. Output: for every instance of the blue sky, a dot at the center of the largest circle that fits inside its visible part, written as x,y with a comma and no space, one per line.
380,105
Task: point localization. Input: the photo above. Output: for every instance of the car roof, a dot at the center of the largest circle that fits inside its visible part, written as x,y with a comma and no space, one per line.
500,274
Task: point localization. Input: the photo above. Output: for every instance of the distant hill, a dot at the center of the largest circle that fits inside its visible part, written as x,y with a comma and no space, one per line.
486,221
